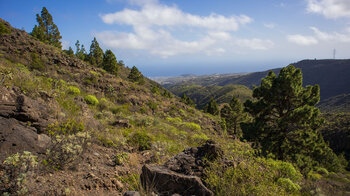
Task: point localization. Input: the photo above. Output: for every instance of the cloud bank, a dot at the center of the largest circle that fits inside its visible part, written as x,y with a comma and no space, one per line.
329,8
168,31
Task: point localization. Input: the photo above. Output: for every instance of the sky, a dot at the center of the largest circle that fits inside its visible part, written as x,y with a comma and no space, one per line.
174,37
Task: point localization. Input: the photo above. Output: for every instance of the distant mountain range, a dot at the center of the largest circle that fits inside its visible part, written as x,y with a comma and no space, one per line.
333,76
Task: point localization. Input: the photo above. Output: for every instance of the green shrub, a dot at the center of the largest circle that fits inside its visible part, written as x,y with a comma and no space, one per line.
285,170
192,126
69,141
322,171
72,90
288,185
91,100
36,62
4,30
70,126
140,140
120,159
313,175
199,137
17,169
176,120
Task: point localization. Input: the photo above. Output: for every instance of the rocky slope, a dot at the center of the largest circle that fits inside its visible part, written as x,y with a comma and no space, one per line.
37,97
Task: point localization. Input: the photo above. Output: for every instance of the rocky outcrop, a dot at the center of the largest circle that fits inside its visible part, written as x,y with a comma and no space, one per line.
193,160
166,182
22,121
181,174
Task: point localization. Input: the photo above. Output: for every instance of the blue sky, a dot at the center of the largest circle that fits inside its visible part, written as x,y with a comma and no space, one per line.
169,37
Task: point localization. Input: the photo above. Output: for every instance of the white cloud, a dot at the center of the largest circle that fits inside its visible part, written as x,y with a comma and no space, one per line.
320,36
329,8
302,40
155,26
333,37
153,14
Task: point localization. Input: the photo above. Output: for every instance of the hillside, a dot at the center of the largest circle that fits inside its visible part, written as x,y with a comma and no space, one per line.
335,104
201,95
70,128
331,75
43,90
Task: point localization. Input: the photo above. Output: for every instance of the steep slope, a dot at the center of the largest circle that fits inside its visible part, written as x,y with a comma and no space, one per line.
64,96
339,103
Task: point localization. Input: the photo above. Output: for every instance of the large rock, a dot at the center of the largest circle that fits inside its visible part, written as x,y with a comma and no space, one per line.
16,137
22,119
193,160
181,174
163,181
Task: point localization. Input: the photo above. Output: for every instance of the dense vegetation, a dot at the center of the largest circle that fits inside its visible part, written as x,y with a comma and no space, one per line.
201,95
100,108
286,121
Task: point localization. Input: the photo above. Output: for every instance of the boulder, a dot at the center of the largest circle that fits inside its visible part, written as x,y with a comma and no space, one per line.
18,137
22,119
163,181
181,174
193,160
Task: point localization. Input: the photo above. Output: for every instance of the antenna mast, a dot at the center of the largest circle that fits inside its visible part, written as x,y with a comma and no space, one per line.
334,51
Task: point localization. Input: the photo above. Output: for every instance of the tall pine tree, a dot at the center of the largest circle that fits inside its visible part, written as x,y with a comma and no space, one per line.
110,62
96,54
233,114
212,107
286,121
135,75
46,31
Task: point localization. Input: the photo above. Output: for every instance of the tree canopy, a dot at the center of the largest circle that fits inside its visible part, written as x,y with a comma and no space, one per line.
46,30
233,114
110,62
96,53
286,120
212,107
135,75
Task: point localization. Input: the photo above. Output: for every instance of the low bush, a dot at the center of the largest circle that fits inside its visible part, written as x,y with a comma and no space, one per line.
288,185
17,169
140,140
120,159
69,142
91,100
72,90
192,126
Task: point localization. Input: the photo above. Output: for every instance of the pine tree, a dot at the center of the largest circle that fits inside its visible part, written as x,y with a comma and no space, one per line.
233,115
47,31
187,100
286,121
110,62
135,75
212,107
96,54
80,51
69,52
